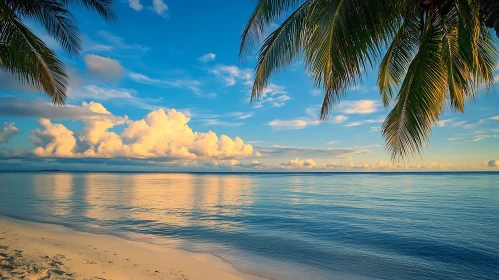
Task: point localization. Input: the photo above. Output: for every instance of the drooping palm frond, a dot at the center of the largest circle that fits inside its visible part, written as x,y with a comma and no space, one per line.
396,61
420,100
56,19
24,55
103,7
266,11
436,50
280,48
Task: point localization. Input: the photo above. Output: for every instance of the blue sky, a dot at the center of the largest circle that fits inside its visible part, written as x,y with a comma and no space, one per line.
147,90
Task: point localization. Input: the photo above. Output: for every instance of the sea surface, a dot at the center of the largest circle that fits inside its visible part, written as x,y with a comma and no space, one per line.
285,226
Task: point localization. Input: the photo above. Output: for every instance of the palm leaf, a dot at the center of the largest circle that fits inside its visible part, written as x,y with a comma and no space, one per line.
347,37
56,19
103,7
280,48
396,61
27,57
265,12
420,101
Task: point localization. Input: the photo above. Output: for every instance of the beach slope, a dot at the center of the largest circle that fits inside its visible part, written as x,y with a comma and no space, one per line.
41,251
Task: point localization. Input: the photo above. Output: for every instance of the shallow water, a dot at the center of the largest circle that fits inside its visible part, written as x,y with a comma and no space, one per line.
290,226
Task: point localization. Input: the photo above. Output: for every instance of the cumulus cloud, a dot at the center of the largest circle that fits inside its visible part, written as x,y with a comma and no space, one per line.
135,4
299,163
359,107
311,165
159,135
159,7
103,66
8,131
493,163
207,57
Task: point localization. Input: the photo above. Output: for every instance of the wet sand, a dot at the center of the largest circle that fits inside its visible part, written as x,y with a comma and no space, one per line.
31,250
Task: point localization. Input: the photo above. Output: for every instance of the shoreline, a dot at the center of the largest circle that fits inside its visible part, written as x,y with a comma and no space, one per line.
33,249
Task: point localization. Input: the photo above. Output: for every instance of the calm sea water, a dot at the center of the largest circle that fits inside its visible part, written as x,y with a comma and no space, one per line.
289,226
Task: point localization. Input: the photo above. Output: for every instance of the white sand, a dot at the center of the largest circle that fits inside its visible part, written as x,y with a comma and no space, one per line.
40,251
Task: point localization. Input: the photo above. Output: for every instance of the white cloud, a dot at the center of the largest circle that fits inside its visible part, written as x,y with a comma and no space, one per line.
299,163
189,84
442,123
359,107
207,57
120,43
135,4
103,66
231,74
288,125
241,115
99,93
340,118
380,120
217,122
473,138
159,135
274,95
8,131
496,118
493,163
159,7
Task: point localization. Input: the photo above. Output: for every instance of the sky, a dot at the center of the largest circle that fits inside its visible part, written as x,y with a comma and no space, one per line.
163,89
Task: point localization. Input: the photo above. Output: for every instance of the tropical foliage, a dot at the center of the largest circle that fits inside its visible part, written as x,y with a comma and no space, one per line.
26,56
429,52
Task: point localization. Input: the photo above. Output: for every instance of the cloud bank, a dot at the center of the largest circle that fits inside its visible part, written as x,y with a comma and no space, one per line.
160,134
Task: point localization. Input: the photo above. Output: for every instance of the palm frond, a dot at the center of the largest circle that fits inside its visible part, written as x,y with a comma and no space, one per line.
56,19
280,48
27,57
345,37
420,101
266,11
396,61
490,10
103,7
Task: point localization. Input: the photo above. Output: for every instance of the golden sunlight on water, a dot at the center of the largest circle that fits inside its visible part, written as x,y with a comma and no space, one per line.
171,198
57,188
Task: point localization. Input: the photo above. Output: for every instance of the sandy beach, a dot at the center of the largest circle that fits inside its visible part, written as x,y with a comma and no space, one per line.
31,250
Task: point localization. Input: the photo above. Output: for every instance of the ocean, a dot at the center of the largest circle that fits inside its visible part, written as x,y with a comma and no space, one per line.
284,225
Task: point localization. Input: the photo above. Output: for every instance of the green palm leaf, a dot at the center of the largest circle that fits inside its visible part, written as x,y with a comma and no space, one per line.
25,56
420,101
56,19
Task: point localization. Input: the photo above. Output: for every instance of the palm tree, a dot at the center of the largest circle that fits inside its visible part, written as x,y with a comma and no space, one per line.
430,52
26,57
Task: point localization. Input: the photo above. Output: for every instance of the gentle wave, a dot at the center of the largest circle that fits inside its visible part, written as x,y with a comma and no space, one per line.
285,226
